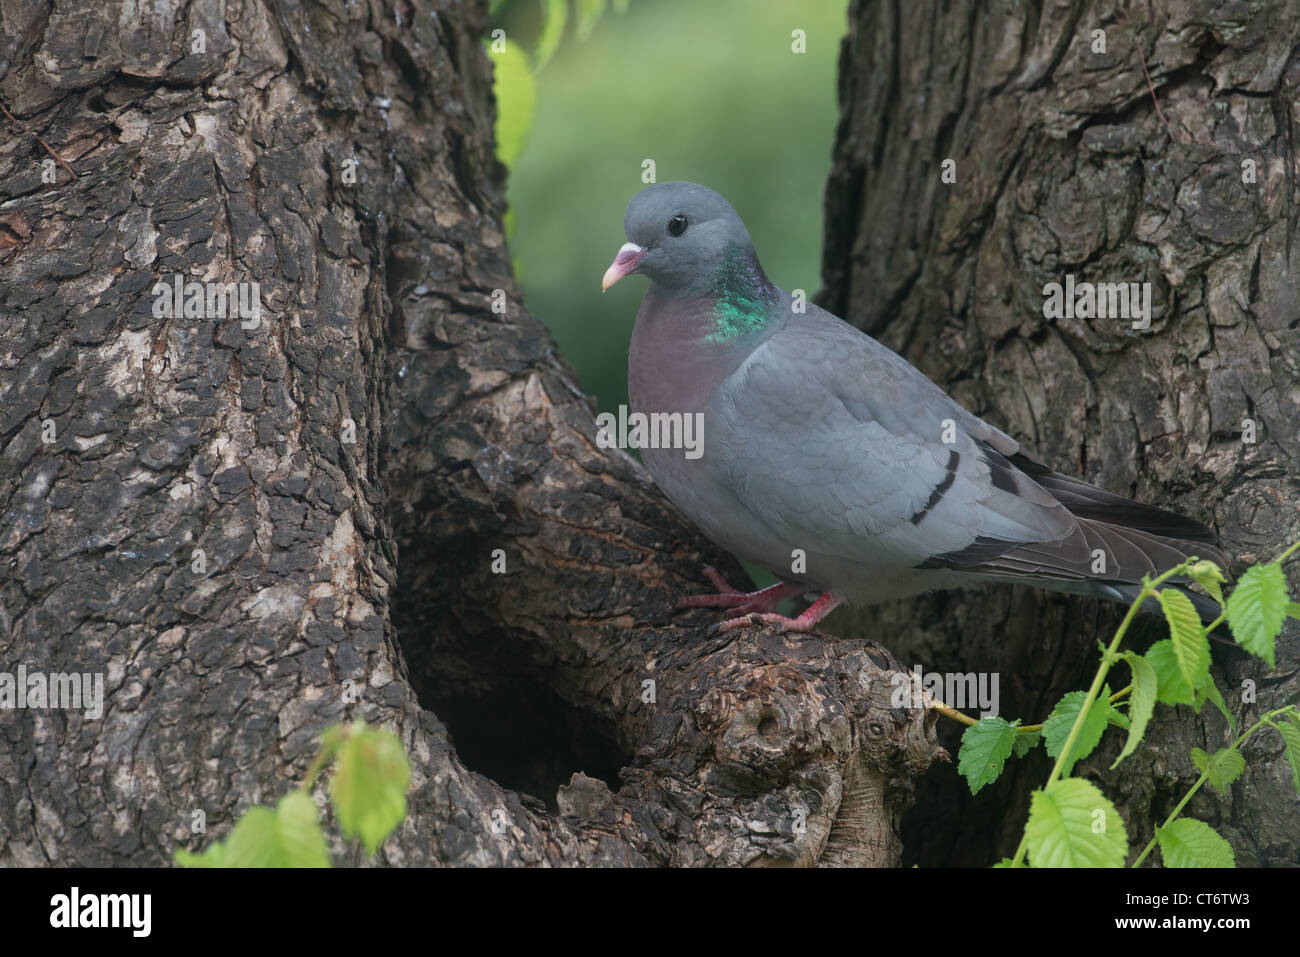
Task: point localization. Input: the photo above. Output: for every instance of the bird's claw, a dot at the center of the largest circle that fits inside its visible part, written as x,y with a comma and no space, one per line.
742,602
756,607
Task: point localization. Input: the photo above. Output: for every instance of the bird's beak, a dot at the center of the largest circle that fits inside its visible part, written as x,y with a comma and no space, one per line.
629,254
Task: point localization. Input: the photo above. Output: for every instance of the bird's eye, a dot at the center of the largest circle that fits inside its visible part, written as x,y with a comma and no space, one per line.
677,225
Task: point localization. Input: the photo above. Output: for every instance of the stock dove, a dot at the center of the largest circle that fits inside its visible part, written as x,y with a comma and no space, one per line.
829,460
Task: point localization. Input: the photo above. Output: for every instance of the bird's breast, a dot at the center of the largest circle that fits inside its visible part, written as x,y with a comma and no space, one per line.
672,365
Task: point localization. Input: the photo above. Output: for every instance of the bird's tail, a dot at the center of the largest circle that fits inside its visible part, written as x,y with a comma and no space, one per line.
1139,539
1114,544
1099,559
1137,552
1206,607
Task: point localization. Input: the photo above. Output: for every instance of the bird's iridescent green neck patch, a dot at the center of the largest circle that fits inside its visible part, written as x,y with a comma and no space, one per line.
745,301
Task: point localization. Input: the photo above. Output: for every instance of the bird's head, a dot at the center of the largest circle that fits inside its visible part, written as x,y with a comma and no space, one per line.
679,234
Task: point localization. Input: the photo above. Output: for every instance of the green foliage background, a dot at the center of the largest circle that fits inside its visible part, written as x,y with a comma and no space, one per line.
712,93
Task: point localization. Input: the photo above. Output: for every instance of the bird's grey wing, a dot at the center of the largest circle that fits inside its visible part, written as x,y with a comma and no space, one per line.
835,441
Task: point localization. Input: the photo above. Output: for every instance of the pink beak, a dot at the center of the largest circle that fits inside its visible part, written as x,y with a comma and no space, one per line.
629,254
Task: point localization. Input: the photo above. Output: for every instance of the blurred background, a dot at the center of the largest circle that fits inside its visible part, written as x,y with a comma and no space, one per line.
713,93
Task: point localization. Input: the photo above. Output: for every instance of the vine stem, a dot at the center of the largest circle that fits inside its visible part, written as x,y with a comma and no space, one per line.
317,766
953,713
1236,746
949,712
1108,658
330,741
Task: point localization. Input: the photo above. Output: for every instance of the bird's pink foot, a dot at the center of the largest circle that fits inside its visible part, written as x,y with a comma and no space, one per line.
742,602
806,622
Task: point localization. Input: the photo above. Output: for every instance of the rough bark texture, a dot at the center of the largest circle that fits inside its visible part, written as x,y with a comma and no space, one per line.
1063,165
349,469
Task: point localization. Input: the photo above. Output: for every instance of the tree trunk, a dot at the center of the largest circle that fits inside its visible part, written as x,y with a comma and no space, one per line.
1066,165
382,499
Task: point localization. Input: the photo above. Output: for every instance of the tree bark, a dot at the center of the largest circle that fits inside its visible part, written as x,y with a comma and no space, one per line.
1065,164
383,501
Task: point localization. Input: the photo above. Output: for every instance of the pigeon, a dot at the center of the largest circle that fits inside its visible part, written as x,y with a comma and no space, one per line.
832,462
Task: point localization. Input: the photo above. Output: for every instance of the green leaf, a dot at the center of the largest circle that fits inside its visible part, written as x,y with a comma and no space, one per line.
298,834
369,786
1200,759
1208,576
1058,724
1026,741
1208,690
985,747
589,12
252,843
1005,862
1191,647
1293,609
1188,842
1171,688
1289,728
1072,824
555,16
1256,609
289,836
1220,768
515,90
1142,701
